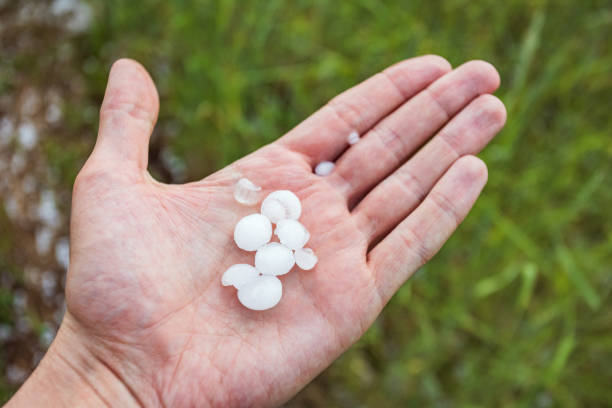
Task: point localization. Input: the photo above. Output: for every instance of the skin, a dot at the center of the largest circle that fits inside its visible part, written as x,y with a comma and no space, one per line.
147,320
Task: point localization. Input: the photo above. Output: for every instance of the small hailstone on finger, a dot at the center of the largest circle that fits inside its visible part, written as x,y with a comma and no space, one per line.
246,192
324,168
262,293
252,232
280,205
292,234
353,137
305,258
239,275
274,259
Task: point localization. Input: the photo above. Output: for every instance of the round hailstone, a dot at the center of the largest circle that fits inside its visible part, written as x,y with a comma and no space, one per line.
353,137
238,275
261,293
324,168
246,192
252,232
292,233
274,210
274,259
280,205
305,258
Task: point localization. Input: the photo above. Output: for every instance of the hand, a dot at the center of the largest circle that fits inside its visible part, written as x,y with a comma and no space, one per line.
147,319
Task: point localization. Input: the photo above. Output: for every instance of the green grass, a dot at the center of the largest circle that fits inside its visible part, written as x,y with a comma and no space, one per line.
515,310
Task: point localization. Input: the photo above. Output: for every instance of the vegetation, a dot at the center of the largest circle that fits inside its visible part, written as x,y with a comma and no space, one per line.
516,309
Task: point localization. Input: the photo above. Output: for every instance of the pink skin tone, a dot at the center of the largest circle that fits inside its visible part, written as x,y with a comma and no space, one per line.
147,319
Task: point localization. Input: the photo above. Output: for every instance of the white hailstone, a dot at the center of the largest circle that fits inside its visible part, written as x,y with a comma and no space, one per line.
252,232
239,275
353,137
274,210
324,168
280,205
246,192
305,258
274,259
262,293
292,233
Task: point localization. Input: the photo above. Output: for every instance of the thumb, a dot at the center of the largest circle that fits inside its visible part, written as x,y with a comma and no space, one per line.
127,117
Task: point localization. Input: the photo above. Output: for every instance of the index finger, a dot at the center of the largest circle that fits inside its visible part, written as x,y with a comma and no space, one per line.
323,136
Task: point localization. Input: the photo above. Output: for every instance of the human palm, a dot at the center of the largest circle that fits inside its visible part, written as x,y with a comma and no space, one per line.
147,258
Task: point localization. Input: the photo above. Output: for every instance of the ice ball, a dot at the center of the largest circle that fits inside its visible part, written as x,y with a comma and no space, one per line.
353,137
252,232
238,275
280,205
274,259
305,258
292,233
324,168
262,293
246,192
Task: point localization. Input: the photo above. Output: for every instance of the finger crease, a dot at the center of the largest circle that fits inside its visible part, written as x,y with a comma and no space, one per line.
448,208
133,110
451,147
441,107
395,86
415,244
410,183
347,113
391,136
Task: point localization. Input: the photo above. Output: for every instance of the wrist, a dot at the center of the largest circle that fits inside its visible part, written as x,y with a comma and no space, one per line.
70,374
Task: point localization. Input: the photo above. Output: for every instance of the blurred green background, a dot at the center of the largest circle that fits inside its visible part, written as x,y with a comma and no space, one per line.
514,311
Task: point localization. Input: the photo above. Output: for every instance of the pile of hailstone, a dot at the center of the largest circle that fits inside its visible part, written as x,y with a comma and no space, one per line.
258,286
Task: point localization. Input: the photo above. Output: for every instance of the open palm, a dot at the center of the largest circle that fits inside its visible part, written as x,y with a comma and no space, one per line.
147,258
